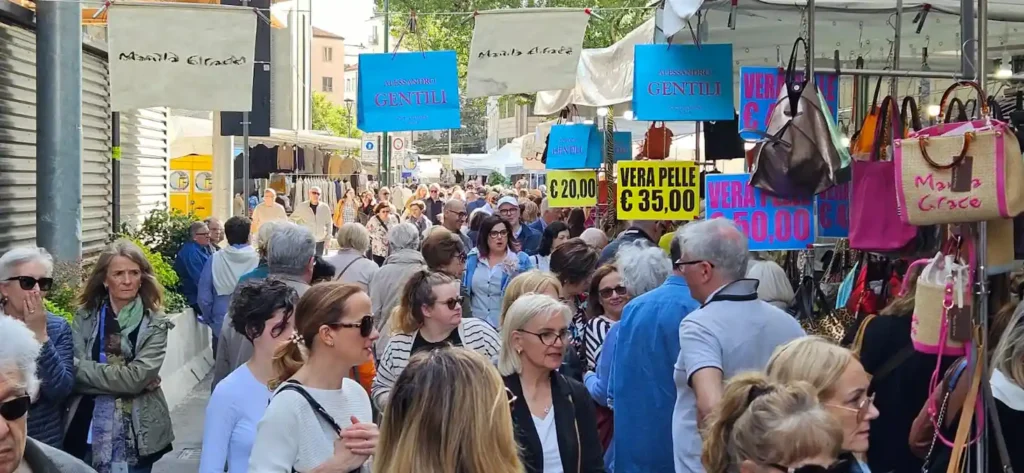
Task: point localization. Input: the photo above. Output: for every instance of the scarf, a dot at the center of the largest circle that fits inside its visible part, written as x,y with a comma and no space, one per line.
129,317
111,434
230,264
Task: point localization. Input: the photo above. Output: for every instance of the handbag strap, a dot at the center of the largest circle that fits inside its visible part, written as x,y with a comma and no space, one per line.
993,414
350,263
996,109
985,112
793,89
966,418
888,112
961,109
914,116
292,385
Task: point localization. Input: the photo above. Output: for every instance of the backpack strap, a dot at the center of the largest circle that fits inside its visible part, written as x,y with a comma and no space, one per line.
993,414
292,385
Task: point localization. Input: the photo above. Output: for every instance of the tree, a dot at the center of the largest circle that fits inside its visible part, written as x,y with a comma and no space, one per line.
469,139
332,118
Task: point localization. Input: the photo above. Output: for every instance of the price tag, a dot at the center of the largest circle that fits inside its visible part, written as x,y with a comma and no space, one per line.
658,190
770,223
572,188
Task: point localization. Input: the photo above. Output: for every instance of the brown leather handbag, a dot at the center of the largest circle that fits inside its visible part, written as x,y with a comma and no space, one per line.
798,157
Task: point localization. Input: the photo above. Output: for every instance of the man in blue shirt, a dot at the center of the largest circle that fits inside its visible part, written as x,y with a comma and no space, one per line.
642,375
190,261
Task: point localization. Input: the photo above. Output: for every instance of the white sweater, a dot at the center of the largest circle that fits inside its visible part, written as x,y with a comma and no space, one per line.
291,435
476,335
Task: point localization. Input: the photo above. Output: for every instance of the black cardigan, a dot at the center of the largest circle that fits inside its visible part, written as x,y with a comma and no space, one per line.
575,417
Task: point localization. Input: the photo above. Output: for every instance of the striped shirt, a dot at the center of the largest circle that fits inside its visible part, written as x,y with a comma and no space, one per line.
594,335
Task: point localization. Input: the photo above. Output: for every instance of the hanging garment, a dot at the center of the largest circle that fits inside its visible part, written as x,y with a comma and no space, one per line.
722,140
285,159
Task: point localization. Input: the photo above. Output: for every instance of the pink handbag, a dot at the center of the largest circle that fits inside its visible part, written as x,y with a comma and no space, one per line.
875,223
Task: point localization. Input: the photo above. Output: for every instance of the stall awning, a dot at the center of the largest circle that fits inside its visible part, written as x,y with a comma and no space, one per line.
89,16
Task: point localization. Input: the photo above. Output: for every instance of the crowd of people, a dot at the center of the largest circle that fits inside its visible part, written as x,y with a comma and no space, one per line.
467,330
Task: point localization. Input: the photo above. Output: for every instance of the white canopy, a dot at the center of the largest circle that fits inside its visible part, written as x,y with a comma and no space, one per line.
195,136
503,160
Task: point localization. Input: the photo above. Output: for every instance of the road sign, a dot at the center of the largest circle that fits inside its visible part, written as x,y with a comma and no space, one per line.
398,144
370,151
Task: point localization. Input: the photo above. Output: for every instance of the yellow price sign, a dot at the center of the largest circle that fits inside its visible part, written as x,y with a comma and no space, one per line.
658,190
572,188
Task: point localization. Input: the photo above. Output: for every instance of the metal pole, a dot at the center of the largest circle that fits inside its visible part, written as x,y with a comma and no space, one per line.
916,74
379,169
59,129
246,178
967,36
982,245
896,45
115,171
386,150
810,36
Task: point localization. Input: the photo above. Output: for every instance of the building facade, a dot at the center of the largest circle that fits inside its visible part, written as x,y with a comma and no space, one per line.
328,65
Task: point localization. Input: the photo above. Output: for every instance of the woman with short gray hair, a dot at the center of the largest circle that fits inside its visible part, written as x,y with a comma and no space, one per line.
25,277
535,335
385,286
19,385
643,267
350,263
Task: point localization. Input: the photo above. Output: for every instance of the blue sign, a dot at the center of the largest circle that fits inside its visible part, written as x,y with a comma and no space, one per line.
408,92
834,212
574,147
770,223
759,92
623,141
369,145
683,82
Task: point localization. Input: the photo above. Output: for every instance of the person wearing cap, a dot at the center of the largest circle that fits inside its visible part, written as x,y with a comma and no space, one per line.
528,238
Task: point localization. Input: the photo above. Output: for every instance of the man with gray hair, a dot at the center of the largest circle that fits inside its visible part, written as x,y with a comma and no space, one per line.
190,261
732,332
19,386
216,232
315,215
290,253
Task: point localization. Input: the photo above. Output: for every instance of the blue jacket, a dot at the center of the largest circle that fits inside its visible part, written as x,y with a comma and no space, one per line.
261,272
56,370
530,239
189,266
473,260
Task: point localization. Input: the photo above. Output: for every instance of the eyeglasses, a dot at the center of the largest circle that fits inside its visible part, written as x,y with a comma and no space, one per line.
462,257
28,283
365,325
549,338
499,234
836,467
461,215
508,211
608,291
203,234
452,303
314,192
698,261
511,396
862,407
15,408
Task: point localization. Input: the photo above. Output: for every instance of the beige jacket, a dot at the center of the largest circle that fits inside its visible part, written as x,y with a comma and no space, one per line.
319,223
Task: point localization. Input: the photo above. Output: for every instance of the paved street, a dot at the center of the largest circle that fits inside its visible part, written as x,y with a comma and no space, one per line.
188,432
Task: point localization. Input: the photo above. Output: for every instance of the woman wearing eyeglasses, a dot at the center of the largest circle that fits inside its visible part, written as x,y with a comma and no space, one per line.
554,416
607,298
262,311
429,316
764,427
319,420
25,277
444,252
490,266
445,415
841,385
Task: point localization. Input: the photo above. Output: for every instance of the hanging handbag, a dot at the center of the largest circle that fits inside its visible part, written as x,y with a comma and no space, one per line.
864,139
657,142
874,225
797,158
960,172
942,321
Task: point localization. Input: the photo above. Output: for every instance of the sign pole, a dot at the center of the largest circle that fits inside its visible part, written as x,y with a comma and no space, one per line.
378,160
246,181
386,150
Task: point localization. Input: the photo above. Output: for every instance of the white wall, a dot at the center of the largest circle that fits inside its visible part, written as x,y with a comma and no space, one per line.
189,357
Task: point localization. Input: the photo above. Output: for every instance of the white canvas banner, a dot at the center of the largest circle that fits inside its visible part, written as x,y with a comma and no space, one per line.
195,57
525,51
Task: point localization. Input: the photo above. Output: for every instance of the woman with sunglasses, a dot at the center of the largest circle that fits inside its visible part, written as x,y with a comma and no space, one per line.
840,383
19,350
607,298
429,316
262,312
449,412
761,426
25,277
318,419
554,416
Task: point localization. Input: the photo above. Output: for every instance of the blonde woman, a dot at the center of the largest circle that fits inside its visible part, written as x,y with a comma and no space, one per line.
536,282
841,384
765,427
556,425
449,412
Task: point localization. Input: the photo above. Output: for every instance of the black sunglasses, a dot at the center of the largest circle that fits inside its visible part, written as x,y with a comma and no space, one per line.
365,325
28,282
15,408
607,292
452,303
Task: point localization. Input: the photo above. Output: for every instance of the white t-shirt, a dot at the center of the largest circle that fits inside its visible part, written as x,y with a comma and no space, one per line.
549,441
291,434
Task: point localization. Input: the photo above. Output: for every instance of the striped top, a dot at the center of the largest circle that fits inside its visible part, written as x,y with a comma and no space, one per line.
476,335
594,335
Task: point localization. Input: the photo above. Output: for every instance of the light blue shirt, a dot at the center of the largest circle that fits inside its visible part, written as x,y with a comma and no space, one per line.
236,407
487,291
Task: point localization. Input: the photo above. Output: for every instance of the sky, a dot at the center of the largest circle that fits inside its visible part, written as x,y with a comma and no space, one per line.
344,17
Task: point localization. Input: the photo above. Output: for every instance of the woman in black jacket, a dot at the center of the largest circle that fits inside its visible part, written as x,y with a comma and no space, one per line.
554,417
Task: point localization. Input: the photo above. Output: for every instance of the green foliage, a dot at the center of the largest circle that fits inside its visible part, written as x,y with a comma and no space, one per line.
332,118
471,138
57,310
497,179
174,303
62,299
161,231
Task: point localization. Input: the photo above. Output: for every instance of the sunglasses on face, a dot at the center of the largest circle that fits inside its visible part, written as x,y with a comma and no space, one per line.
314,193
365,325
28,283
452,303
608,291
15,408
837,467
461,215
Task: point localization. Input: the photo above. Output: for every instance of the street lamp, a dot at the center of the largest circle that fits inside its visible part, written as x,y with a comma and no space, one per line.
348,109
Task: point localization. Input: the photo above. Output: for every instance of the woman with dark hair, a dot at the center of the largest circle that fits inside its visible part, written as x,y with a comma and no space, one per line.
490,266
120,420
443,251
553,237
261,310
475,219
577,222
574,262
428,317
318,419
379,225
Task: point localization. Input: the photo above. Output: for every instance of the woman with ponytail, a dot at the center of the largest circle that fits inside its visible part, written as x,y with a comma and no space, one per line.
766,427
429,316
318,419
